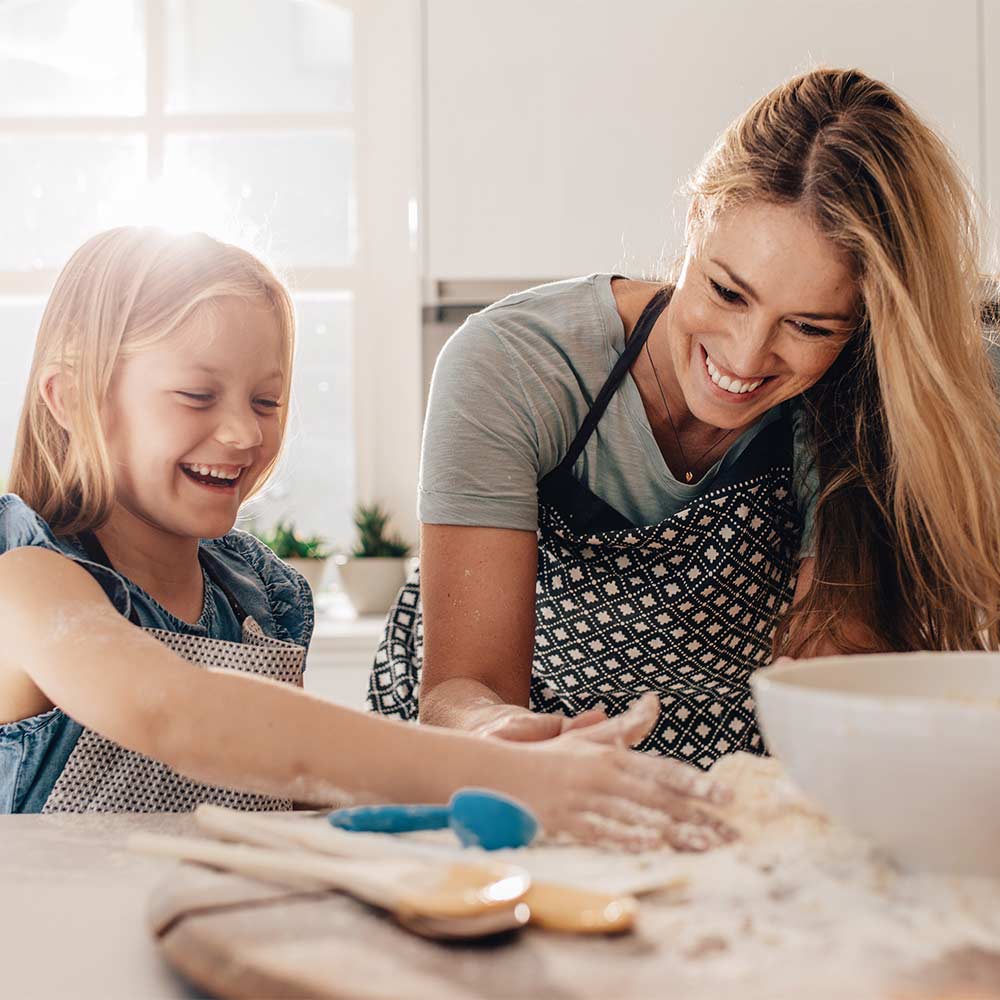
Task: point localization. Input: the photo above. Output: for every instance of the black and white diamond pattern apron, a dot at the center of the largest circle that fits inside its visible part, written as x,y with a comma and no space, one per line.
686,608
102,776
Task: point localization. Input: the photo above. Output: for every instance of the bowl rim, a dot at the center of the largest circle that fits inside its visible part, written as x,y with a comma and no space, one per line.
775,677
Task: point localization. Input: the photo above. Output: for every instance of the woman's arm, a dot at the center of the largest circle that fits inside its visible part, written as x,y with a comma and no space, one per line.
477,586
222,727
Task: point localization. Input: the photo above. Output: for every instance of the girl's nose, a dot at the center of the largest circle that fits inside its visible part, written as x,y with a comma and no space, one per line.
240,429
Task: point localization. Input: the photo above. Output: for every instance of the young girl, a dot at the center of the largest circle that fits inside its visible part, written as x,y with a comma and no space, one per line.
152,655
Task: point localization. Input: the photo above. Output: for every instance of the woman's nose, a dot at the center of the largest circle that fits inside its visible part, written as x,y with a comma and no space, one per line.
751,349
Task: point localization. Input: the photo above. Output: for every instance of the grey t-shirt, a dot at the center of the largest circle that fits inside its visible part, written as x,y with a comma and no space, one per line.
510,390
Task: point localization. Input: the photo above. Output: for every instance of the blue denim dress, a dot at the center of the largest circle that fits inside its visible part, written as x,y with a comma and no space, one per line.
34,751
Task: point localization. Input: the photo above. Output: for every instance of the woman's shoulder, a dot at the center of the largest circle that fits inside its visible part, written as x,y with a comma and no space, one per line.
563,332
250,562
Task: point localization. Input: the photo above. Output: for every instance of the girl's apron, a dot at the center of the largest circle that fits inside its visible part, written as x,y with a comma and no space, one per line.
686,608
101,776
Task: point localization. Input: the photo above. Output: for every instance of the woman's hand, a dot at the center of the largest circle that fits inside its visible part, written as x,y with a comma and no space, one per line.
510,722
589,786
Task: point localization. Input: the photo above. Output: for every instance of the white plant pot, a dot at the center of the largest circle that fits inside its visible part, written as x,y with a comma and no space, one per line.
371,584
311,569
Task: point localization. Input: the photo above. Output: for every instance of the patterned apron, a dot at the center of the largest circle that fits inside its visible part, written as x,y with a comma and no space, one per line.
686,608
101,776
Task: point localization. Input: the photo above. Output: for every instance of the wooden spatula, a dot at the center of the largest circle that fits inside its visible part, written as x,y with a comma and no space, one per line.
436,900
554,907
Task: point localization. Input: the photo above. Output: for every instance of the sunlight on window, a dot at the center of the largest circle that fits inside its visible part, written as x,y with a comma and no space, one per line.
180,205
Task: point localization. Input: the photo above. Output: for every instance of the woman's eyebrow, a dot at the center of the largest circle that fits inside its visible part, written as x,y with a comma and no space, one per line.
743,286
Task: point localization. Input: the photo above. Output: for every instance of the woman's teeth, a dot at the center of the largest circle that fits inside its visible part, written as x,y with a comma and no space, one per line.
729,384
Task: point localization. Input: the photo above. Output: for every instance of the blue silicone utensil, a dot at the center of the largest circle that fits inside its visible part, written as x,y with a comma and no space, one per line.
478,817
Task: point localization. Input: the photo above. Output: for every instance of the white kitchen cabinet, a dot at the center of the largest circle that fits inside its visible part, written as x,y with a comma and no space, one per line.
557,132
341,656
990,50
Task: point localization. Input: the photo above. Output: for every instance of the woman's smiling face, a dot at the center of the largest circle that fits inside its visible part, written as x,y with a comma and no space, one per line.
764,305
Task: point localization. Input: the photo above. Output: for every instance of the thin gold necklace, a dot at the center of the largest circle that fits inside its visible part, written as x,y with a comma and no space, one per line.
688,474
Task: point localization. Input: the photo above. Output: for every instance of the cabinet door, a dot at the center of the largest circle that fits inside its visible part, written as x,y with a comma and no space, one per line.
558,131
990,55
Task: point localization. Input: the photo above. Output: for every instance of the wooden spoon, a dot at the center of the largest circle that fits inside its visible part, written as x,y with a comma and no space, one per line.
554,907
440,901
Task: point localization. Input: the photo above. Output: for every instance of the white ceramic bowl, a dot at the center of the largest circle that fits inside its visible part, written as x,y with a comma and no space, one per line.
903,748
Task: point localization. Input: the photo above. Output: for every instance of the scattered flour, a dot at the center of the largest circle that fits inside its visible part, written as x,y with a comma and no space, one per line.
797,907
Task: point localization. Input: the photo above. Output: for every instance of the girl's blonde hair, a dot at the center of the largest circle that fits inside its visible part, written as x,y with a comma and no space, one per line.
123,291
906,421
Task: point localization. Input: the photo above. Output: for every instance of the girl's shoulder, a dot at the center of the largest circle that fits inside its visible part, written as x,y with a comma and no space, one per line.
21,526
255,571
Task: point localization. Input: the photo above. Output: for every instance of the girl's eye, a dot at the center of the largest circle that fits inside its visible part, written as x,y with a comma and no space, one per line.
200,397
270,404
726,294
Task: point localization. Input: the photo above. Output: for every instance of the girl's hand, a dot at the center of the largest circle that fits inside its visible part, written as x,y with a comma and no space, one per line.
588,785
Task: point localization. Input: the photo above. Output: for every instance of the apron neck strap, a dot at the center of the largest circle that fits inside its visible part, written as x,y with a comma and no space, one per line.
640,334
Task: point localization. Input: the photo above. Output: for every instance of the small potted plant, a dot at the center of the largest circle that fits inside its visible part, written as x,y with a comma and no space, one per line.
375,569
307,554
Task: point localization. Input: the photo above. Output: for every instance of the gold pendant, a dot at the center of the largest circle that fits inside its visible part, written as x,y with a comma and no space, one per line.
688,477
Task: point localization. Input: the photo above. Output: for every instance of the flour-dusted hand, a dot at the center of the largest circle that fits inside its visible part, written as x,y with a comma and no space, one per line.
510,722
586,784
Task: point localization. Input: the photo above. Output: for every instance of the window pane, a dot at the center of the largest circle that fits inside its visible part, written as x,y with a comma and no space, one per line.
315,485
294,191
56,191
259,56
19,319
70,57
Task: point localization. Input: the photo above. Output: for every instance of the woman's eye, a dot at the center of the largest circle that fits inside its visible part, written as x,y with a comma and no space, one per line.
199,397
726,294
268,404
812,331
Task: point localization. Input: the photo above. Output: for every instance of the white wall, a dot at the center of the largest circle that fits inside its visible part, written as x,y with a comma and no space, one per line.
557,132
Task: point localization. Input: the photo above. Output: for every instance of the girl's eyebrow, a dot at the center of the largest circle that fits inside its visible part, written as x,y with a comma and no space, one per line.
218,372
743,286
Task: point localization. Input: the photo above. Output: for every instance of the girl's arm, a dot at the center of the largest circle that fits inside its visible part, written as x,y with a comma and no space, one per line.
477,586
221,727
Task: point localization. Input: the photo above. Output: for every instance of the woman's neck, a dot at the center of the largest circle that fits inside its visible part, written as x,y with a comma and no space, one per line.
166,566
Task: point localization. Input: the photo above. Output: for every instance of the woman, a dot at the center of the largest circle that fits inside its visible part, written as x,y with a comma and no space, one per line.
790,450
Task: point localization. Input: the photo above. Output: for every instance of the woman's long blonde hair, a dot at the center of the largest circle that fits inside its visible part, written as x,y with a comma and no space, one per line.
123,291
907,422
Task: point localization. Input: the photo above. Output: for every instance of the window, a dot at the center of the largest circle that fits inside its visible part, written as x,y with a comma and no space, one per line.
243,118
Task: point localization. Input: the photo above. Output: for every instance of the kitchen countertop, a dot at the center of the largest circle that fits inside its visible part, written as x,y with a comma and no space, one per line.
798,907
73,907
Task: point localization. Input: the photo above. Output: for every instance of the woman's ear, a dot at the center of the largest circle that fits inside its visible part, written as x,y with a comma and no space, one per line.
58,392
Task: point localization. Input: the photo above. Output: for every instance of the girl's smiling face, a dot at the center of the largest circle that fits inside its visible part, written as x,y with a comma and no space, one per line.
764,305
208,399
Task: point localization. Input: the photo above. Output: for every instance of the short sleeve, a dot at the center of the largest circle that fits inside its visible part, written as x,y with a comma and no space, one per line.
277,596
20,526
805,479
479,462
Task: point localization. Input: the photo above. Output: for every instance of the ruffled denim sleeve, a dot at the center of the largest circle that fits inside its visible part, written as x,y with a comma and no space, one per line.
20,526
271,591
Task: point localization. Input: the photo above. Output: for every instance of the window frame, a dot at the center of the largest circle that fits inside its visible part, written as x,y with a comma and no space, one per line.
384,279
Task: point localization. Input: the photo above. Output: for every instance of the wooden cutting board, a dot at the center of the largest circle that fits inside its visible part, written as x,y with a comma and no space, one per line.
235,937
